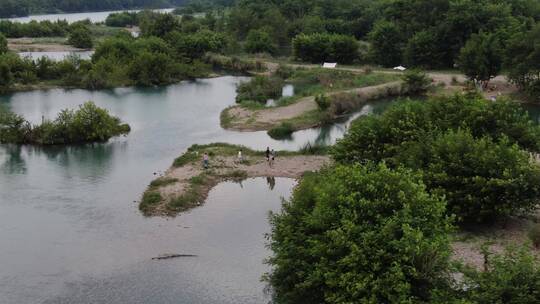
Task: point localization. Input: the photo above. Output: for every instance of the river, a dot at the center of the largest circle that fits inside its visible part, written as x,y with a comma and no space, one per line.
94,17
71,231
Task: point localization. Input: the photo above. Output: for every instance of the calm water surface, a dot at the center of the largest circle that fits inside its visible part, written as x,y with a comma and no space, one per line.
57,56
70,231
74,17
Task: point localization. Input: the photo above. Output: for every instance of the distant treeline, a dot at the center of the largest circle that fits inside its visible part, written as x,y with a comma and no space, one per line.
18,8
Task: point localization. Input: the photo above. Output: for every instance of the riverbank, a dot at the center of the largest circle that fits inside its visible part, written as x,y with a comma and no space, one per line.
187,184
58,44
304,113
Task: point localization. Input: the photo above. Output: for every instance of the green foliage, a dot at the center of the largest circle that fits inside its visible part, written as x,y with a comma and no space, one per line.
513,278
523,61
259,41
81,37
196,45
88,124
149,198
163,181
423,50
482,174
318,48
378,138
481,58
482,180
386,44
3,44
122,19
59,28
158,25
416,82
323,102
260,89
359,234
282,131
534,234
13,128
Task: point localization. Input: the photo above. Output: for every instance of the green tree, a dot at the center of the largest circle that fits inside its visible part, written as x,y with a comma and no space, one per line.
380,138
259,41
319,48
482,180
423,50
3,44
523,61
158,25
152,69
415,82
386,44
481,58
512,278
6,77
359,234
81,37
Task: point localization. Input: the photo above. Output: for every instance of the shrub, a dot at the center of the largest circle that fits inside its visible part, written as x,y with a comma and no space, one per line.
149,198
80,37
13,128
163,181
260,89
321,47
534,234
283,131
3,44
482,180
359,234
512,278
260,41
88,124
323,102
415,82
378,138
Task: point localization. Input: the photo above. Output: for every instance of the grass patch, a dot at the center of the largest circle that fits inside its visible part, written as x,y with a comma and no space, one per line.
309,82
225,119
235,175
252,105
283,131
163,181
149,199
186,158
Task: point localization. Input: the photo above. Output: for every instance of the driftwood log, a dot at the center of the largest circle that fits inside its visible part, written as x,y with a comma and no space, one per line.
172,256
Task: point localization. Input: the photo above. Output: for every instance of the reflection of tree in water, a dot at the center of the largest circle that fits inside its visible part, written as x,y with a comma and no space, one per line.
88,160
271,182
13,162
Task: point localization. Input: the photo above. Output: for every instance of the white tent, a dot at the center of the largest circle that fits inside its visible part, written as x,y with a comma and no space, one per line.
400,68
329,65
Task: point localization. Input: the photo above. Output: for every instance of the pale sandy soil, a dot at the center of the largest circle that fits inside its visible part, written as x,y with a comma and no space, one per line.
28,45
255,120
467,247
255,166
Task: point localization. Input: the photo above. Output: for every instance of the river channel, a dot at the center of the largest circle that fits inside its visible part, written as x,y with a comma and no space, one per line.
70,230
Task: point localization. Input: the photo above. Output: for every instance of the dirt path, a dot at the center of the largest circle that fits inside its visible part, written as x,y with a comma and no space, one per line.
247,120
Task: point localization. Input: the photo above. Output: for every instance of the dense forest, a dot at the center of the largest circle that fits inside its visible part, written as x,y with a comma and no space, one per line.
17,8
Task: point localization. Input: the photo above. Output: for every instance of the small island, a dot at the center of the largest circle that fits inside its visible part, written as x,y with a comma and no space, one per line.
187,184
88,124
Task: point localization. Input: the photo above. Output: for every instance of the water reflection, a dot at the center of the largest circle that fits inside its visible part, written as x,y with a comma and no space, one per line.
271,182
11,159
